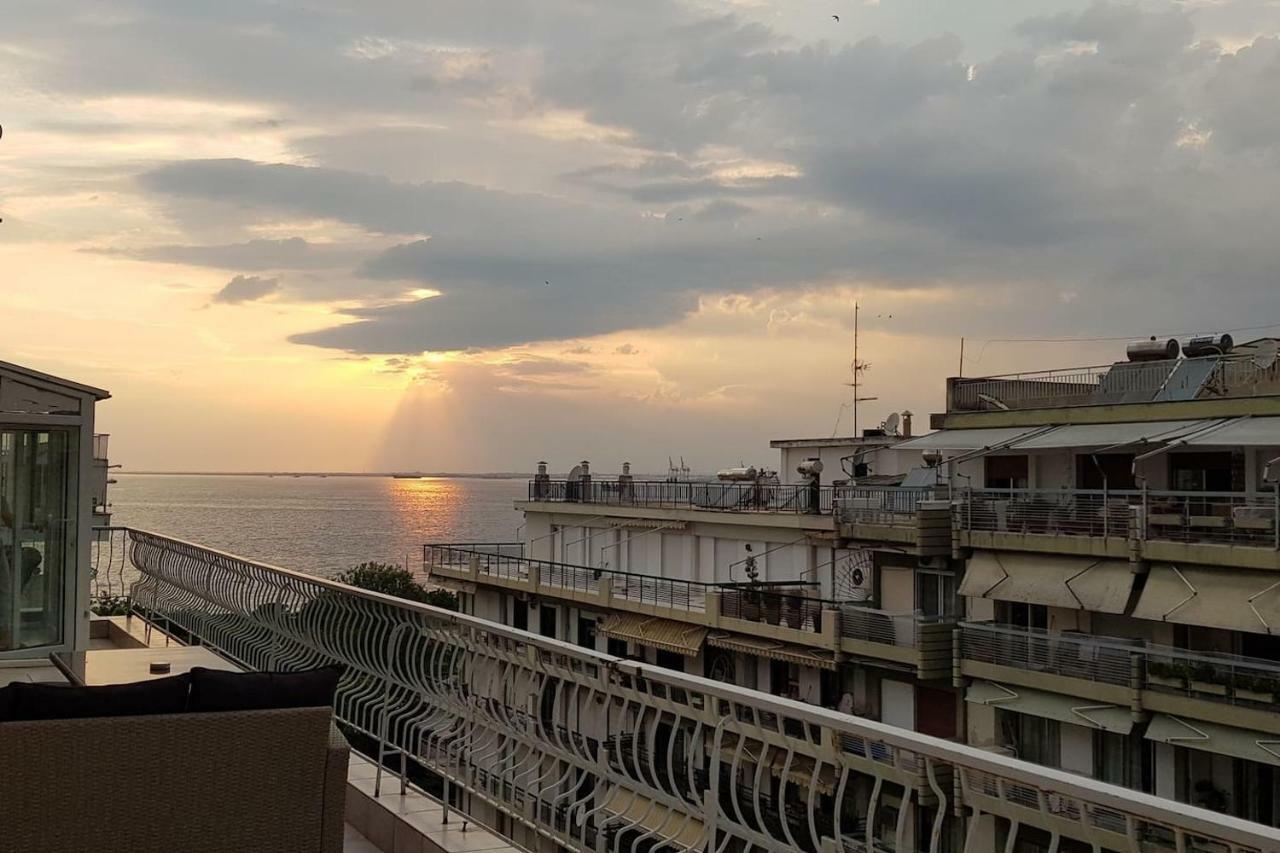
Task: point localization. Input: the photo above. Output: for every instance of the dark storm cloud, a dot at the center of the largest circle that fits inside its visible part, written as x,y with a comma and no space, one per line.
289,253
1110,157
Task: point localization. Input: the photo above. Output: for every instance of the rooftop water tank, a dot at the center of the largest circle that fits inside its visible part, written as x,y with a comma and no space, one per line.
1203,345
1152,350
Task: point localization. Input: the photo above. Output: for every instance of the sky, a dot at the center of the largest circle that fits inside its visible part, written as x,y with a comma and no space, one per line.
469,235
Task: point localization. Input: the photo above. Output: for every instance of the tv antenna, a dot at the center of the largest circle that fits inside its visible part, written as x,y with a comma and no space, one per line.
858,367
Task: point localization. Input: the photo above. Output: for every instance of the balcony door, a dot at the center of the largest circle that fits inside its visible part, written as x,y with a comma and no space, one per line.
38,490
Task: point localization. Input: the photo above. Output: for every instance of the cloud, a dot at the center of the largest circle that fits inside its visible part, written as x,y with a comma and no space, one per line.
627,349
262,254
246,288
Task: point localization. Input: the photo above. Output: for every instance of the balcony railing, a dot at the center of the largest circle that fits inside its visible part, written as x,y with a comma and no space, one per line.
709,495
488,709
672,593
1091,658
100,443
884,627
1214,676
1232,518
782,608
888,506
1125,382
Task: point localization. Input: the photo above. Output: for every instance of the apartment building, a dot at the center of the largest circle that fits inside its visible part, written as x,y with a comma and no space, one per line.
1076,568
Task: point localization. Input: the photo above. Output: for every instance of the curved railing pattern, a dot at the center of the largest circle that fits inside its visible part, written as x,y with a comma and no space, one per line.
597,753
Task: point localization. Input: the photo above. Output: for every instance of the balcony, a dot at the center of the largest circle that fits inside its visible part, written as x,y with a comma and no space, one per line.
516,727
895,514
786,620
1225,528
1133,673
1212,377
711,496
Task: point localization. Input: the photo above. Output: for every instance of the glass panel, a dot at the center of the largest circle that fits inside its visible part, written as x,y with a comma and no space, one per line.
37,533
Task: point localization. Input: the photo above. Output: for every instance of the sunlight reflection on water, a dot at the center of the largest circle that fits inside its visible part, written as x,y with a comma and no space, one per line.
315,524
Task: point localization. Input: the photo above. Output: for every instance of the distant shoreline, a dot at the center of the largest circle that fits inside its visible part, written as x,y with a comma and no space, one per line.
408,475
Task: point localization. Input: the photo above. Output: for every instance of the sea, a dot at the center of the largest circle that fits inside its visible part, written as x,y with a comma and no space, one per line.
321,525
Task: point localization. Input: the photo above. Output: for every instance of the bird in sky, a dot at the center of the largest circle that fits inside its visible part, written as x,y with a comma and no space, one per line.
548,284
836,18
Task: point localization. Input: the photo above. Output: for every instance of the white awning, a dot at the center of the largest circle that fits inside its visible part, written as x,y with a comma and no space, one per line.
1214,737
1078,583
965,439
1234,599
1052,706
1244,432
1107,435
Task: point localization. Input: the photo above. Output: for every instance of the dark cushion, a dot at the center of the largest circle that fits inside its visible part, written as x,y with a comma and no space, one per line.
68,702
6,704
219,690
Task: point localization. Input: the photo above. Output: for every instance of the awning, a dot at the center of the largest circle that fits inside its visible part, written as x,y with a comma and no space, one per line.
1052,706
1234,599
1244,432
1214,737
1107,435
645,815
1078,583
965,439
666,634
774,649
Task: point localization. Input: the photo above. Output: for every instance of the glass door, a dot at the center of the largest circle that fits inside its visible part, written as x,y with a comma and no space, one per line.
37,534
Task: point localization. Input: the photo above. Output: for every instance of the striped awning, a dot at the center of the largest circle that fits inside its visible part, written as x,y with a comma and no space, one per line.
775,649
666,634
1052,706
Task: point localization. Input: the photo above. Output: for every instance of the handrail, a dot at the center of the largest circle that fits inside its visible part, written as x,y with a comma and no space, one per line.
710,495
488,708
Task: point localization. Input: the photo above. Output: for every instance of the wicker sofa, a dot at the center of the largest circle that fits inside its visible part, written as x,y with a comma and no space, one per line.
241,781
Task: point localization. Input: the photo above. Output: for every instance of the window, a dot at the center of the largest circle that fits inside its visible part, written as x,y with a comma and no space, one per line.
587,632
670,660
1206,472
547,621
1033,739
1006,472
38,470
617,648
1016,614
935,593
784,679
520,614
1105,470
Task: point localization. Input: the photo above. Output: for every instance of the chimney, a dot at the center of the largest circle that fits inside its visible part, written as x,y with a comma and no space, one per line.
906,424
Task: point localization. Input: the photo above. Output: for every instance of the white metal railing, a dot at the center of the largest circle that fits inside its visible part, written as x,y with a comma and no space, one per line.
889,506
1124,382
1234,518
1215,676
1095,659
537,729
881,626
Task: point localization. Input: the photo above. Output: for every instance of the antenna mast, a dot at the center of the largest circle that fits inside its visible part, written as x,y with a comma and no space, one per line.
858,368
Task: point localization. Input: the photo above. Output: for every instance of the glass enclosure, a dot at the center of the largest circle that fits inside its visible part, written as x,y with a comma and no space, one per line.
38,470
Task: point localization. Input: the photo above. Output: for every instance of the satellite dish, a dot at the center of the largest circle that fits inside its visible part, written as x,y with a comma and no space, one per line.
576,473
1266,353
891,423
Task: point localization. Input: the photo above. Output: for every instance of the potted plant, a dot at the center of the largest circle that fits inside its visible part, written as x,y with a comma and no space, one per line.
1167,674
1258,688
1206,679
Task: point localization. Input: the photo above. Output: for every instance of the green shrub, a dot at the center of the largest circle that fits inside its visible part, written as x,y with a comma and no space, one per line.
390,579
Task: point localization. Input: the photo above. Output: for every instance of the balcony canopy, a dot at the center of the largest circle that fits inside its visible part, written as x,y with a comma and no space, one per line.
666,634
1216,738
1077,583
1242,432
1110,435
1052,706
965,439
1234,599
1078,435
773,649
